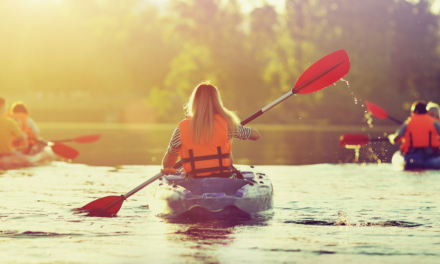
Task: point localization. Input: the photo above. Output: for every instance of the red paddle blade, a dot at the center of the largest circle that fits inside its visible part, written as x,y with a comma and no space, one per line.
376,110
64,151
106,206
87,139
323,73
353,140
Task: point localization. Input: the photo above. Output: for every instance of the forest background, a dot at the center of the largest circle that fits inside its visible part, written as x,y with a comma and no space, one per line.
133,61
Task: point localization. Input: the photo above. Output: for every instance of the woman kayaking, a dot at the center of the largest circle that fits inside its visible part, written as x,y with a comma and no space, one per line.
204,139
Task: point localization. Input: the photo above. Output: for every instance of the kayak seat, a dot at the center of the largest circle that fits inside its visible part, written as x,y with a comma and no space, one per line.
213,185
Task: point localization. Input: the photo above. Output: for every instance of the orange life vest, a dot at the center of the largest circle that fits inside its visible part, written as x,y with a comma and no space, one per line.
21,119
203,160
420,133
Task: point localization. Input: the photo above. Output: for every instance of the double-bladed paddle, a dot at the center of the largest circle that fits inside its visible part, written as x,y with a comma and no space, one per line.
321,74
81,139
358,140
380,113
65,151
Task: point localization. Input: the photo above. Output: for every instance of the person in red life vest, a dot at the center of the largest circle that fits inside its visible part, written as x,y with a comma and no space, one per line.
419,136
8,130
20,113
204,139
433,110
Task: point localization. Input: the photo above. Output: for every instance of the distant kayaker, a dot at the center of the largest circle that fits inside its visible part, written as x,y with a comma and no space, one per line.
433,110
20,113
419,137
9,130
204,139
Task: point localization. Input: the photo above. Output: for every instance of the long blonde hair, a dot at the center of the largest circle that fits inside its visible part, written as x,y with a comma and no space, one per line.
203,104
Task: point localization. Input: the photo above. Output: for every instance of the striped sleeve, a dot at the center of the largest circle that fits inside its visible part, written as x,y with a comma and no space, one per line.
243,133
174,145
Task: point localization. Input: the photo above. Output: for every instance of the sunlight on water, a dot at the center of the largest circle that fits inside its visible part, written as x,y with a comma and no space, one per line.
352,213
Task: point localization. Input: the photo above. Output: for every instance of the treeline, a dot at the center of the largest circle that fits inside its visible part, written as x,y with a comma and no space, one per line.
158,52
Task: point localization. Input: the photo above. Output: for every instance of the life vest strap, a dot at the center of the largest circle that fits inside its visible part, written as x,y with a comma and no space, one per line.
411,140
208,157
220,156
430,137
221,169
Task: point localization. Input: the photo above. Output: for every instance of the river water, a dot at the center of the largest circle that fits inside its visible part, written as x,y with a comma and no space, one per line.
324,213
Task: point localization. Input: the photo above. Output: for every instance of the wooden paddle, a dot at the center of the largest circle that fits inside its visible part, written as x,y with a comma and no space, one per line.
358,140
321,74
81,139
380,113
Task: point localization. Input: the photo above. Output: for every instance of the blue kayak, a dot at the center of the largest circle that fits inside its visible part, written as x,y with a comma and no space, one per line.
415,162
251,197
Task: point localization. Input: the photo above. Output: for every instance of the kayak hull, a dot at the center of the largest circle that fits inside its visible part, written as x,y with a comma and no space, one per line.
400,162
45,156
172,196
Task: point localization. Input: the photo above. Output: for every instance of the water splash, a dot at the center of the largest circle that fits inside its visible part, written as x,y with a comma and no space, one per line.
343,219
356,151
369,119
348,84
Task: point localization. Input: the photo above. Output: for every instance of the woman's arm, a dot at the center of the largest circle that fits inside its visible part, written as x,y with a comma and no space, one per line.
255,135
172,153
168,162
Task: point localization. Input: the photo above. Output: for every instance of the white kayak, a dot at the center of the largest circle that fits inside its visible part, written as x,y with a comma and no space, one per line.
251,197
16,161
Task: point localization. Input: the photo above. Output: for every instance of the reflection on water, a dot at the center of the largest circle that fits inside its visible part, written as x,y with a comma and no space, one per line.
322,213
279,145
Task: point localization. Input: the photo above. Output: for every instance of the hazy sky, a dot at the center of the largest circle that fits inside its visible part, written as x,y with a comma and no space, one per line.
248,4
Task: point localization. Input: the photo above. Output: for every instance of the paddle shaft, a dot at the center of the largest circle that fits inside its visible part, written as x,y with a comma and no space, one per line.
140,187
130,193
359,140
82,139
395,120
295,90
378,139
